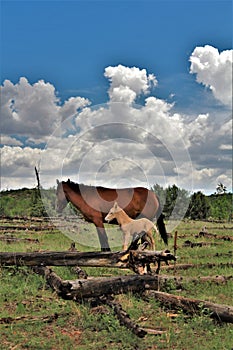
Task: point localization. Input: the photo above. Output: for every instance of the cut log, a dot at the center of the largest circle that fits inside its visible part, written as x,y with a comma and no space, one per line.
26,227
96,287
190,266
12,239
198,244
124,259
93,287
29,318
215,279
223,313
6,218
214,235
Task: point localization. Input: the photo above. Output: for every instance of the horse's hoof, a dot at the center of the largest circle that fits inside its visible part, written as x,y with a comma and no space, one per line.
105,250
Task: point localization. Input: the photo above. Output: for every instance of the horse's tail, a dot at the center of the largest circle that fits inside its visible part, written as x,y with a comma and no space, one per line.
162,228
161,225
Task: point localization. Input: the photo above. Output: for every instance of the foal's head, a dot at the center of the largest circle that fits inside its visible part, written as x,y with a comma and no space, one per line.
112,212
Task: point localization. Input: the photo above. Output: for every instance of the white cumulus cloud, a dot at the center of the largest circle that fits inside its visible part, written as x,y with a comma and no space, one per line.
128,82
214,70
34,110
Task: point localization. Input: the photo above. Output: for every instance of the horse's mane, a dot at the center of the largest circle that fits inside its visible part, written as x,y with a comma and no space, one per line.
79,187
76,186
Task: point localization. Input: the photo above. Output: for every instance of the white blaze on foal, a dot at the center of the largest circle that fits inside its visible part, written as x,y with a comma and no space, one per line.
130,226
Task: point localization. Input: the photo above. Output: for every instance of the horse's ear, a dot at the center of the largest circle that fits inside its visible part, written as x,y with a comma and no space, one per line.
57,182
68,181
115,205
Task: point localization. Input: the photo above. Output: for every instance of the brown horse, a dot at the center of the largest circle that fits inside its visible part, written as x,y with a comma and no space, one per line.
95,202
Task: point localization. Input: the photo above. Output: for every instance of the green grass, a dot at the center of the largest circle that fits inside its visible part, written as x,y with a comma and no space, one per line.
80,326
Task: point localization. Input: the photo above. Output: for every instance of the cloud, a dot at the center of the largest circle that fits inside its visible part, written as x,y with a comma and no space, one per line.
115,144
18,166
34,110
11,141
214,70
127,83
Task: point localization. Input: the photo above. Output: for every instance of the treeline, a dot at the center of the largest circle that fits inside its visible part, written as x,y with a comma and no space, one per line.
177,203
24,202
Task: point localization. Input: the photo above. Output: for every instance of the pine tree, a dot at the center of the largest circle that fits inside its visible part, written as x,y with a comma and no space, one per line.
198,207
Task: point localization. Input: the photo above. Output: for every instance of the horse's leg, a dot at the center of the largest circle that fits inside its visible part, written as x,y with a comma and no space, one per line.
124,246
103,239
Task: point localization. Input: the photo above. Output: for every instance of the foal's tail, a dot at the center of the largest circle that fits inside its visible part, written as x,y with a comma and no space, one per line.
161,225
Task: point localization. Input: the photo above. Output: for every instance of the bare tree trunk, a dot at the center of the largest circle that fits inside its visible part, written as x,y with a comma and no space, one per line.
37,178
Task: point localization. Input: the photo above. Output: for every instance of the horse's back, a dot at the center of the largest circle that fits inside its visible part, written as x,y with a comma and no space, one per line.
138,201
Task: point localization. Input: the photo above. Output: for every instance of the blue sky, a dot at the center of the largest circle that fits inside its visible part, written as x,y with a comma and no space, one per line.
69,43
61,51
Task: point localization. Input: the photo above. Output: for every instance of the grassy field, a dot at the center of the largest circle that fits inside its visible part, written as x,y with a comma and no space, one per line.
32,316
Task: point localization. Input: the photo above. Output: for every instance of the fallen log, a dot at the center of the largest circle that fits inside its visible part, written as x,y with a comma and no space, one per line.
214,235
91,287
65,258
124,318
198,244
215,279
58,286
29,318
98,286
223,313
23,218
26,227
123,259
190,266
79,290
12,239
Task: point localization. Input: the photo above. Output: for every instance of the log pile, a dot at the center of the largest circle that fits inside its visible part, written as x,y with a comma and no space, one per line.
103,287
101,290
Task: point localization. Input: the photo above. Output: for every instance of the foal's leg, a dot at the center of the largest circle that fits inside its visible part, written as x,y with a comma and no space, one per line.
126,238
152,242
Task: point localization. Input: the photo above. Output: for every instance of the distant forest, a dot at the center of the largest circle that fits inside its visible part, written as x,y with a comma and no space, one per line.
176,203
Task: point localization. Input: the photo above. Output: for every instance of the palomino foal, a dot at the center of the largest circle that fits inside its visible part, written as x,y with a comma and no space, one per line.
130,226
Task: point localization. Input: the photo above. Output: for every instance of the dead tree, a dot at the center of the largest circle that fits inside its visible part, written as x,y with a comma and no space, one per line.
37,178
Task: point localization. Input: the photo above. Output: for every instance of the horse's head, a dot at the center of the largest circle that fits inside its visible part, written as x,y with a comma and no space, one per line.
112,212
61,200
